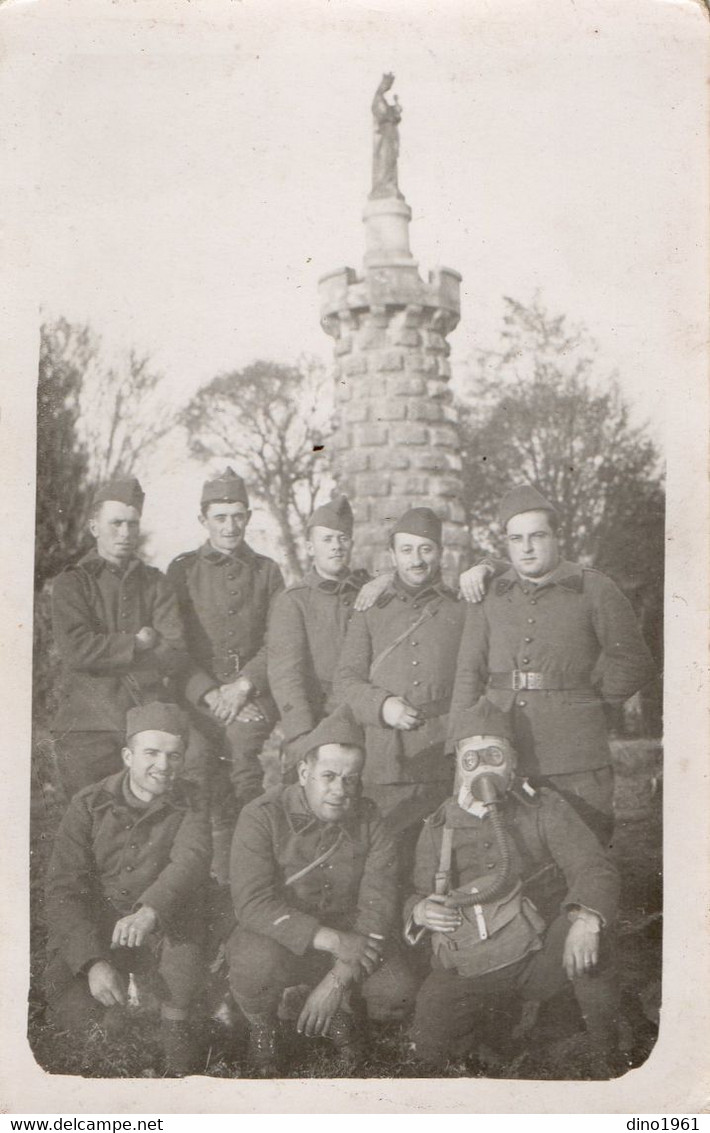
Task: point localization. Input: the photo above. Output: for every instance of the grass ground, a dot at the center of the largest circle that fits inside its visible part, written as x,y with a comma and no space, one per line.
556,1048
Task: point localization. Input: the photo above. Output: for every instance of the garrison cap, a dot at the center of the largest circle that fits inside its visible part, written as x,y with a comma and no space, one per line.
421,521
483,719
524,498
157,717
336,514
125,491
228,487
338,728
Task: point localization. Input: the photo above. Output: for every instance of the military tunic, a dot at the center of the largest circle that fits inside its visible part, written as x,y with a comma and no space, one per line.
579,632
97,609
306,635
517,956
113,854
427,627
225,601
355,889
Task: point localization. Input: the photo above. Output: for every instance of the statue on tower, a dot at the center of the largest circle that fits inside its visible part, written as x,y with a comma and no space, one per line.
387,116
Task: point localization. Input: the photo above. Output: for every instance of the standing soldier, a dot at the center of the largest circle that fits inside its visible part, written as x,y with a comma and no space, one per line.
310,619
396,672
226,592
553,642
118,631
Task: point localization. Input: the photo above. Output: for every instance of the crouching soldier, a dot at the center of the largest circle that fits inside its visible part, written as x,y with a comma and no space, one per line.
489,943
123,889
314,881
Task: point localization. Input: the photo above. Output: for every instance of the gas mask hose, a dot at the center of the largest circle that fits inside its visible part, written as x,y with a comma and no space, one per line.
500,880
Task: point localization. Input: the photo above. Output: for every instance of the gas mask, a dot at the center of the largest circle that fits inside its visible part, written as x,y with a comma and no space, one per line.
485,766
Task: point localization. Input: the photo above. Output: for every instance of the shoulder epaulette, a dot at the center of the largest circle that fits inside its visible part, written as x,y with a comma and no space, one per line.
183,557
385,598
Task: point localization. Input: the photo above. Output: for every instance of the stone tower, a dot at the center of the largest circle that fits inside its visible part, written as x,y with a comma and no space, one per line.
396,444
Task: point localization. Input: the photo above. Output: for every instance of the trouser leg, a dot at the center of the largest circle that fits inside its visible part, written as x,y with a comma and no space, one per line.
596,992
181,968
389,993
591,795
83,758
244,744
260,969
71,1006
450,1011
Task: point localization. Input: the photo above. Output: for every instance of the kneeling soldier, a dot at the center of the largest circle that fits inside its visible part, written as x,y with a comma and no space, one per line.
489,942
123,888
314,881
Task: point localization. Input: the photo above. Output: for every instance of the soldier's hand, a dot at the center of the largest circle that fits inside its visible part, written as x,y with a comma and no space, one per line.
398,713
358,951
473,583
581,951
146,638
431,913
371,591
133,930
319,1008
250,714
213,700
106,984
235,696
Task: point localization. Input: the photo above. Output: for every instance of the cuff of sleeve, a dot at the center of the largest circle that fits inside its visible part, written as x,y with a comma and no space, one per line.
591,917
295,931
85,953
255,674
197,685
413,932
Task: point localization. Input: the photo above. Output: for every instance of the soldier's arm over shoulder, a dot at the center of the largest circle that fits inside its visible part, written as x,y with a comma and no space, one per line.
472,662
626,664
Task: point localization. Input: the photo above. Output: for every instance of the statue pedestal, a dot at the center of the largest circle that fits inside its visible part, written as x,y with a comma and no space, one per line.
387,233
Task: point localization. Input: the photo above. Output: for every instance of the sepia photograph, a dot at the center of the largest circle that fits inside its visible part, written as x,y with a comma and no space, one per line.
361,336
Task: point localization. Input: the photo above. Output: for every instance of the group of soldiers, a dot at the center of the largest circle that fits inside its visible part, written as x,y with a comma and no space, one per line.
439,749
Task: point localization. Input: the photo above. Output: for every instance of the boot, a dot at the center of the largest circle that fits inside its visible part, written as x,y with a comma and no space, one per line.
348,1039
179,1048
263,1055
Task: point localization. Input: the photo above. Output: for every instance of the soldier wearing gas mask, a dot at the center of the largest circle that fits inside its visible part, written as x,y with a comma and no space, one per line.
491,948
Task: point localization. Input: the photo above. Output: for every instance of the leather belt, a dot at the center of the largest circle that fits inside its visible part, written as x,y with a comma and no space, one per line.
520,679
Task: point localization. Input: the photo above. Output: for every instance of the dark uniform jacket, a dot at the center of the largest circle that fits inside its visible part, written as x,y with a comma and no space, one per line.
97,609
112,856
580,632
277,835
306,634
421,667
225,602
541,831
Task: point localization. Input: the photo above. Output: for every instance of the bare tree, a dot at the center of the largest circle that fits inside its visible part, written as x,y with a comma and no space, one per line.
270,421
123,414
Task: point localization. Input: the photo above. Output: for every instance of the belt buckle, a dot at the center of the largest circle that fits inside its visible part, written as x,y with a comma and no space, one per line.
520,680
534,680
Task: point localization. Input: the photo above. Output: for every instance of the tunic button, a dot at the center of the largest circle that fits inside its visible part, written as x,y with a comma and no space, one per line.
533,601
522,703
124,892
414,643
416,683
487,845
526,661
129,869
415,605
490,865
415,662
528,640
531,621
129,825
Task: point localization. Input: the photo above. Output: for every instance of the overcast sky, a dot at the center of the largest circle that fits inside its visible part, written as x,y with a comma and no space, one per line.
203,164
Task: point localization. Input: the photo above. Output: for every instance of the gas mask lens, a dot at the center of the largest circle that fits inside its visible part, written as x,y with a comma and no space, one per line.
492,756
